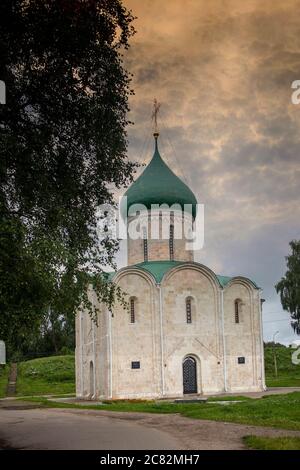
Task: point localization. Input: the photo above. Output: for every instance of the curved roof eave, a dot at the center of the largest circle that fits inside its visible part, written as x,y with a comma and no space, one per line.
247,280
159,269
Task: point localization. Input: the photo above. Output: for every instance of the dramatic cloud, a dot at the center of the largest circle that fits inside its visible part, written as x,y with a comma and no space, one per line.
223,72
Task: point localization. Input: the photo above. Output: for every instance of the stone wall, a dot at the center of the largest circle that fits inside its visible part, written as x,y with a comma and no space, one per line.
199,339
156,228
243,339
161,338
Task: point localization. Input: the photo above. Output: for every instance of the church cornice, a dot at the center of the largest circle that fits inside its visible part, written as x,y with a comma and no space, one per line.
159,271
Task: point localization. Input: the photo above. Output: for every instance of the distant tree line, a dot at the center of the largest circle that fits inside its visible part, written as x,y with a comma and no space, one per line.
54,335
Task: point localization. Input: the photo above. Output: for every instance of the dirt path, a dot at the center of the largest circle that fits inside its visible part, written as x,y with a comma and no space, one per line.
93,429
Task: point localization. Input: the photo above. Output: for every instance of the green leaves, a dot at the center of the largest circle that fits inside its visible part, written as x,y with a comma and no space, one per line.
63,143
289,286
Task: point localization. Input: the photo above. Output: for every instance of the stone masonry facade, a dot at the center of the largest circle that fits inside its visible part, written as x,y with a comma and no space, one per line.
228,355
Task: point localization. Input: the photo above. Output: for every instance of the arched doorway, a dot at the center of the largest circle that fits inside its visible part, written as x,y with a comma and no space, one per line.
189,373
92,383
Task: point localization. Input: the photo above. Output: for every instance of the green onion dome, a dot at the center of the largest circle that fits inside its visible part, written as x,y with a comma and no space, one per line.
159,185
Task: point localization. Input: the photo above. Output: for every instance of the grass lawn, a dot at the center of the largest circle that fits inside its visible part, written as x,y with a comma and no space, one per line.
4,371
288,373
46,375
228,398
272,443
280,411
283,380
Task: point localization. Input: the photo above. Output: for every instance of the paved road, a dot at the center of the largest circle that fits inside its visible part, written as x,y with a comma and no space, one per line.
103,430
60,429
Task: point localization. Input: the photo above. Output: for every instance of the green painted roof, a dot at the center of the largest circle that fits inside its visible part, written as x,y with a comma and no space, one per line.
159,185
159,268
223,280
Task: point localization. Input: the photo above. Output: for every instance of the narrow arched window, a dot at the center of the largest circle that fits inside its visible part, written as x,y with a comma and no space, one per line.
237,310
145,244
188,309
132,310
171,242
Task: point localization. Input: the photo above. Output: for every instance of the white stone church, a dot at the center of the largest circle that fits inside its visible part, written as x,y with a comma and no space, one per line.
187,330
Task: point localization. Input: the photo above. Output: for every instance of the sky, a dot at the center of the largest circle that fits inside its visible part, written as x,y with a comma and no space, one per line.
222,71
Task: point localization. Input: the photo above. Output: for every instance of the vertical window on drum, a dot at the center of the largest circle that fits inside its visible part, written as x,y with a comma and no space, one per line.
132,310
237,310
145,244
171,242
188,309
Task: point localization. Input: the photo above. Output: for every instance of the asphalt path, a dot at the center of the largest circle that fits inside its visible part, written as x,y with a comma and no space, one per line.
57,429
